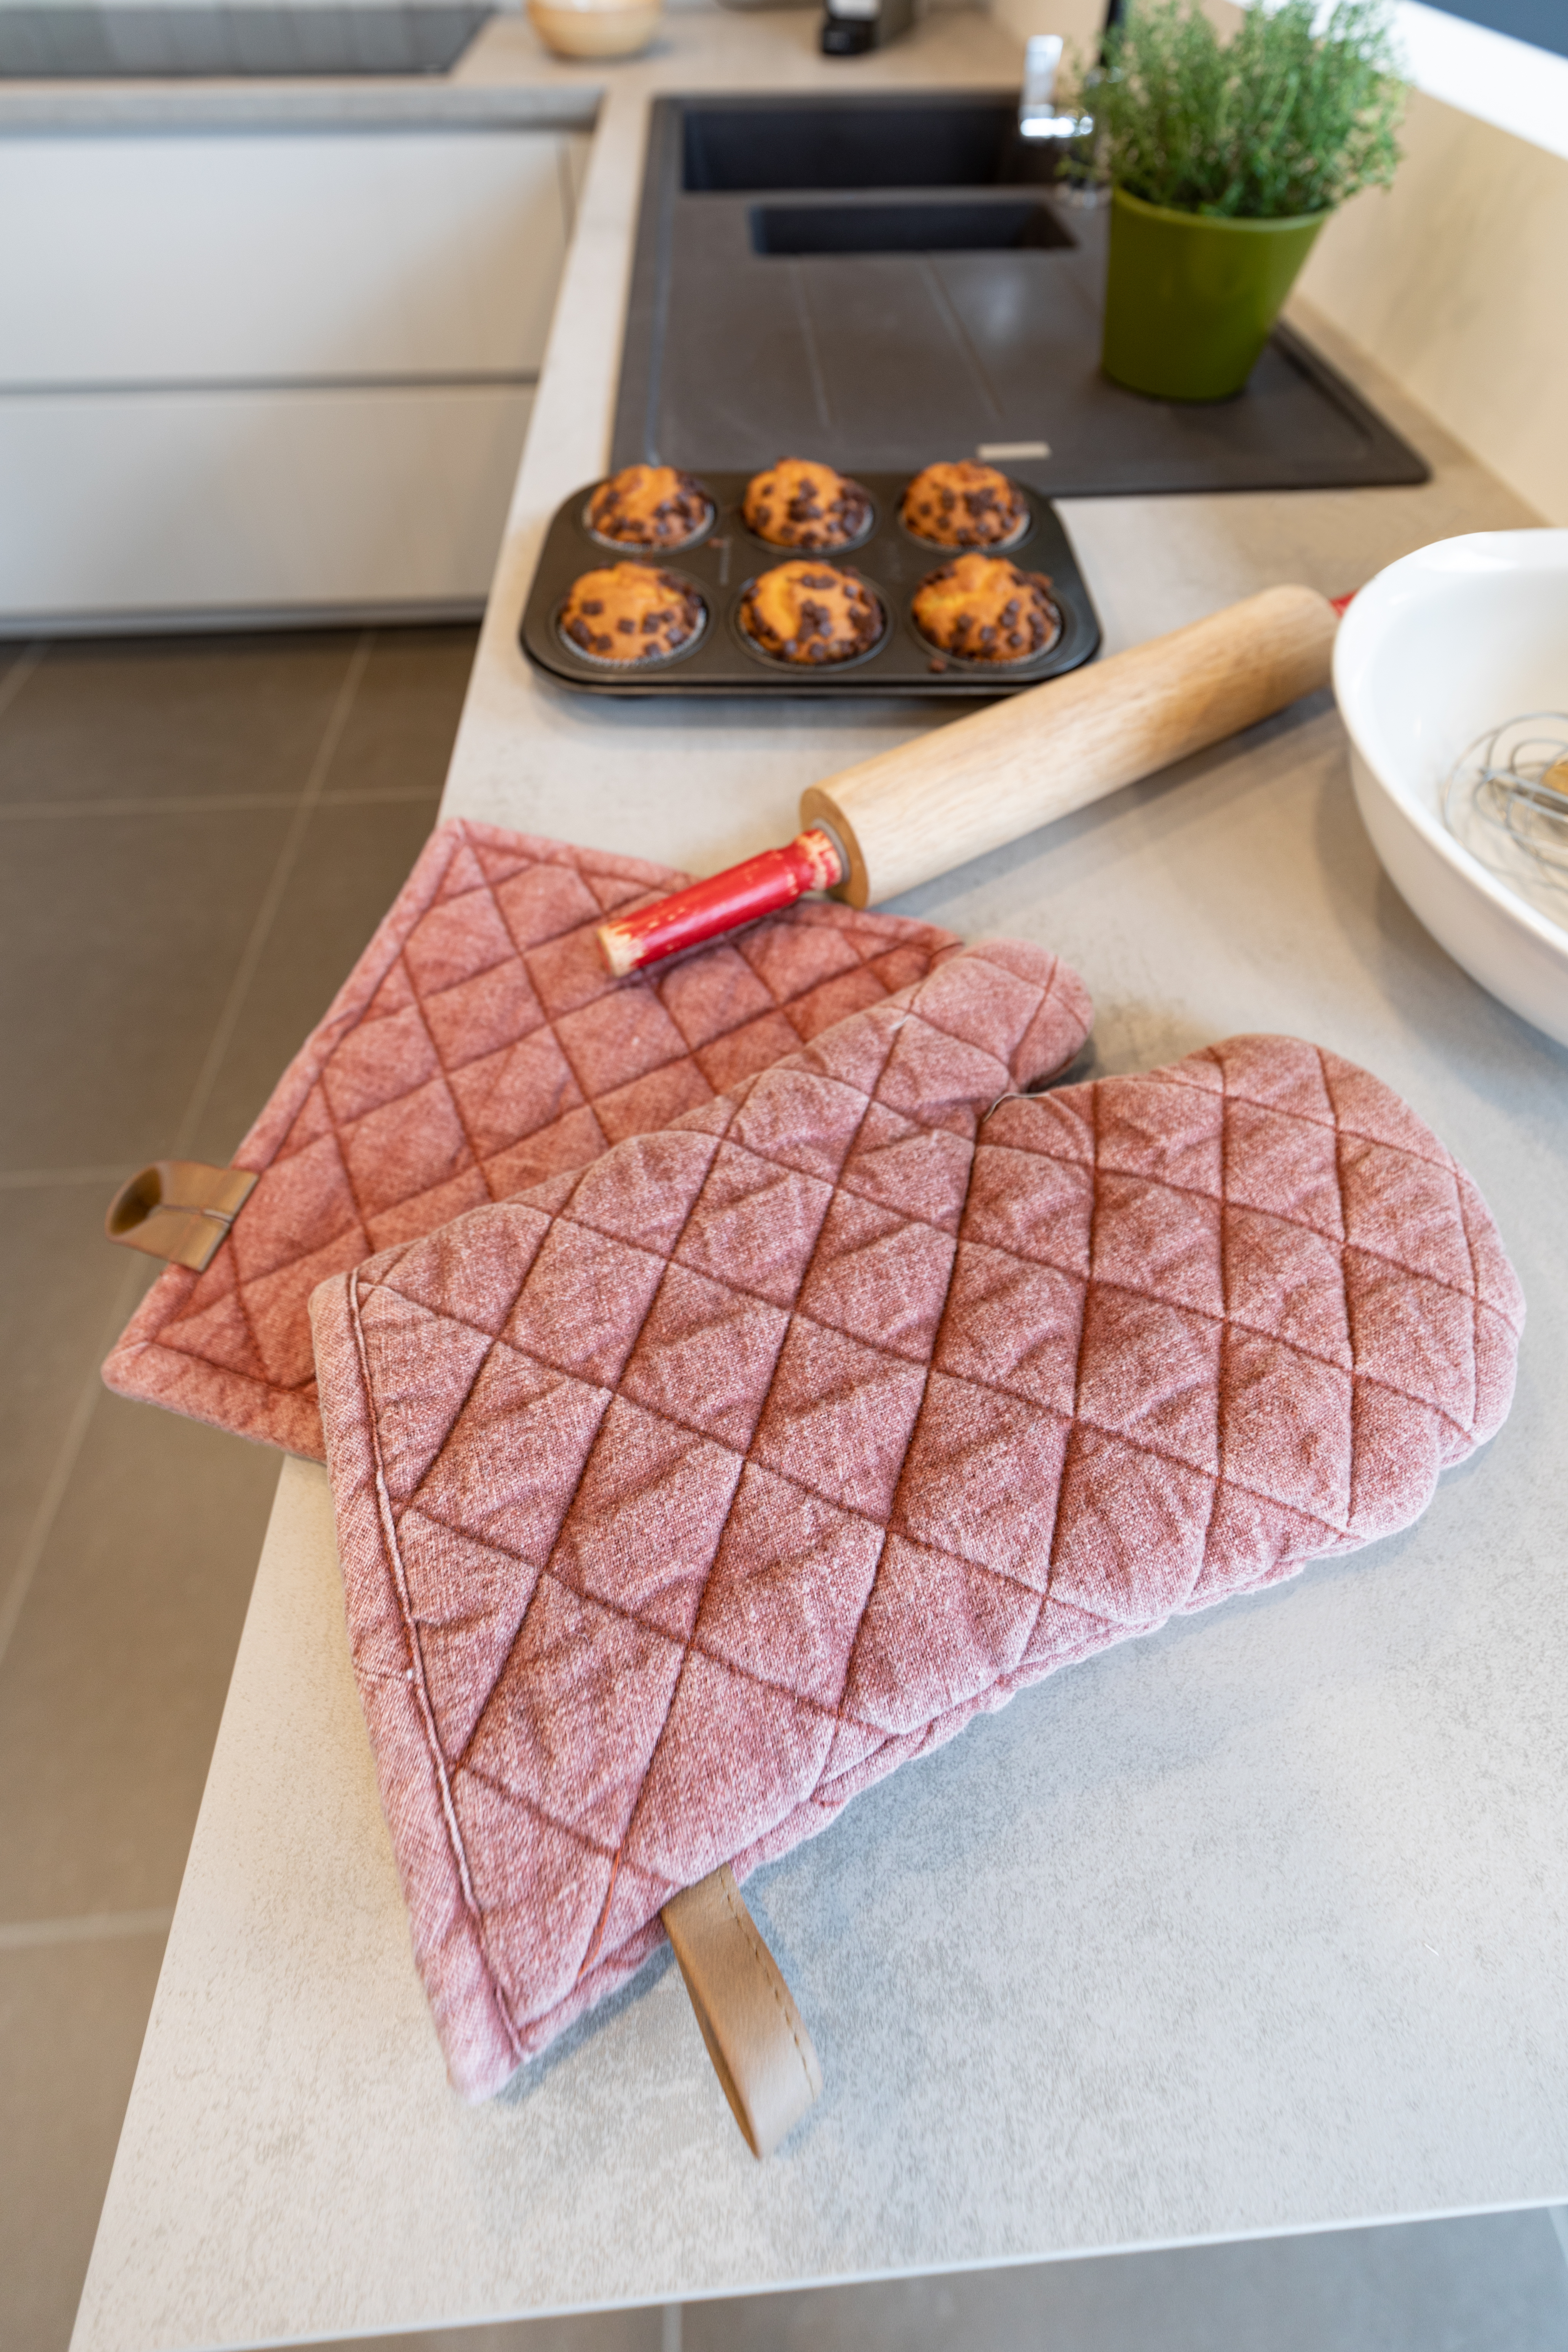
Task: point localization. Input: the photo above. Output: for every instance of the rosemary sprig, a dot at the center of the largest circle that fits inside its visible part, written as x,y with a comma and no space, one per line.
1294,114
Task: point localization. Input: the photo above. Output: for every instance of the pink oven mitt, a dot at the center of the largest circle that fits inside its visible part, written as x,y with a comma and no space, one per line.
680,1499
478,1045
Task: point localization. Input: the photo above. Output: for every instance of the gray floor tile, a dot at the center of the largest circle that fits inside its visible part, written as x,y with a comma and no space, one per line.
71,2021
119,938
112,1686
120,933
352,863
1494,2283
399,732
63,1294
153,718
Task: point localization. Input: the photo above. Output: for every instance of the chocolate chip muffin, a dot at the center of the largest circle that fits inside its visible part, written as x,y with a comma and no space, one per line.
650,506
984,609
798,504
631,613
964,505
811,614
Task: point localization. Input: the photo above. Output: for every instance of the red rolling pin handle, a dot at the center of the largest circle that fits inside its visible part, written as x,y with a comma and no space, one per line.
759,886
813,860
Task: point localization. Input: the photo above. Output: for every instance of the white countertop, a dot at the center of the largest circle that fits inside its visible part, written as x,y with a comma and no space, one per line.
1255,1925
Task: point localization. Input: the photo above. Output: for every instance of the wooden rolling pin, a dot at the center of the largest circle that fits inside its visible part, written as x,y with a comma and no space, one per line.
898,820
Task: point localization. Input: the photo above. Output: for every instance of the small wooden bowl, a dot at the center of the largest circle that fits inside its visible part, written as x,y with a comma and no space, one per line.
594,28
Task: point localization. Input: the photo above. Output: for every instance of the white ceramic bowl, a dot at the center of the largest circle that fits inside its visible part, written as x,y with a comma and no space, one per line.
1444,644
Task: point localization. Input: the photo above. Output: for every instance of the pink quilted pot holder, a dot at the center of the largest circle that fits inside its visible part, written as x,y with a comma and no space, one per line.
680,1499
477,1046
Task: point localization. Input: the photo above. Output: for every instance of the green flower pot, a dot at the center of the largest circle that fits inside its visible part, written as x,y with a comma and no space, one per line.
1189,301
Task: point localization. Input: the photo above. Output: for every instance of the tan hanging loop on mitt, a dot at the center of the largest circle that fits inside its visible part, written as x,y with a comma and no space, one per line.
762,2053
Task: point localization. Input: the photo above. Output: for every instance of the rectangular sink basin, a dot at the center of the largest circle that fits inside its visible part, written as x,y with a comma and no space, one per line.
884,280
735,147
985,225
117,44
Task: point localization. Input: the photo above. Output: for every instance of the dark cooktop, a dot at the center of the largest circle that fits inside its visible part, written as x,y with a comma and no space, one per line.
882,280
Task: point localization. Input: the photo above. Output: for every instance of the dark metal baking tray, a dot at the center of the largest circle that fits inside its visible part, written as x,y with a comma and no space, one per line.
722,662
883,279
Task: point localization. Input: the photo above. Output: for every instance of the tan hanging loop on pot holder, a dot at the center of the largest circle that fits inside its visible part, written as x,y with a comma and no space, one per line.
178,1208
761,2050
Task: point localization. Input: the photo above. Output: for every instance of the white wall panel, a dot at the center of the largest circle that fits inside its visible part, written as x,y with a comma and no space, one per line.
271,255
136,504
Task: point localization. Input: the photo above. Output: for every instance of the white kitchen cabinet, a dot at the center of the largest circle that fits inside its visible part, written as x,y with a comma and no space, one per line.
268,370
155,507
258,256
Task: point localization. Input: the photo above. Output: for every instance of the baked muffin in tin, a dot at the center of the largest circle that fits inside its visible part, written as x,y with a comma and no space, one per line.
811,614
798,503
964,505
631,613
982,608
650,506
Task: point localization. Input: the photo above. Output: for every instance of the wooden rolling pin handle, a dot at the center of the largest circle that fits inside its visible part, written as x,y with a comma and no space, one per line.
898,820
760,885
914,812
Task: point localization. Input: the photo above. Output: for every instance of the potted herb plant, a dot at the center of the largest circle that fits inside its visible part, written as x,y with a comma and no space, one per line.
1225,159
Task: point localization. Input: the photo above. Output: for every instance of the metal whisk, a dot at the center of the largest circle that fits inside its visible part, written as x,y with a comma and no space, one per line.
1515,778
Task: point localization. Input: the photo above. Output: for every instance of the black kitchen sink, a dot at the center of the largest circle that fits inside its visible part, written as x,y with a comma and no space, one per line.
884,280
735,146
957,224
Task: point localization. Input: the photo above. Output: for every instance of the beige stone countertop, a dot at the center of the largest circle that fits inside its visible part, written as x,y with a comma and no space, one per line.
1255,1925
507,79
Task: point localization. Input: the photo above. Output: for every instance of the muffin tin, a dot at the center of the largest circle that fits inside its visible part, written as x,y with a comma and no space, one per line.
722,660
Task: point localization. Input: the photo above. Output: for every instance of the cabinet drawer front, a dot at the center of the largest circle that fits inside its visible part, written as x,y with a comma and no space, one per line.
270,257
136,505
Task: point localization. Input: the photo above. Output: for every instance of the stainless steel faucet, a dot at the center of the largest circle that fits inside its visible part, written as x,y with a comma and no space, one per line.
1039,117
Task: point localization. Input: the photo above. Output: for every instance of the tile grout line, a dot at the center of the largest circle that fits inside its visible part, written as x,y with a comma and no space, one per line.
88,1928
50,1502
209,804
39,1180
267,913
142,805
20,671
384,796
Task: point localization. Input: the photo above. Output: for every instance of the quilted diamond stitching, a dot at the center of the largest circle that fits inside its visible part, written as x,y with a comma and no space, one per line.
460,1760
166,1352
672,1259
1221,1385
973,1380
843,1768
890,1058
756,1424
